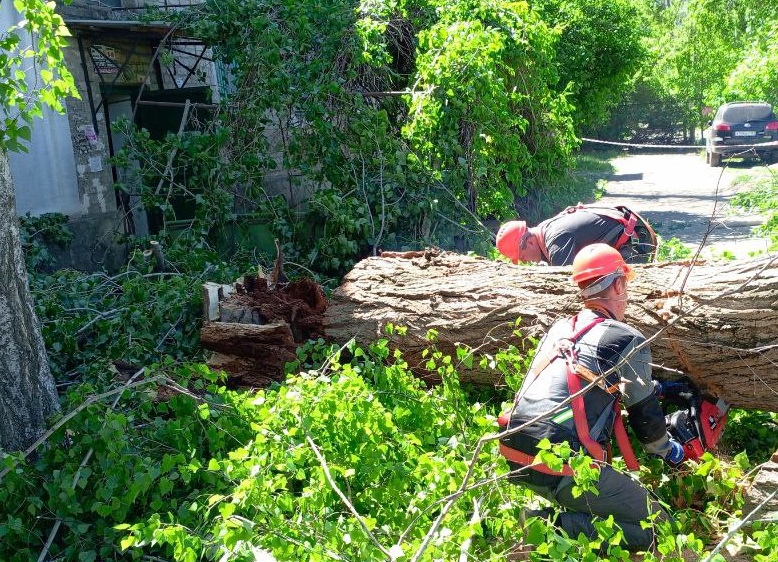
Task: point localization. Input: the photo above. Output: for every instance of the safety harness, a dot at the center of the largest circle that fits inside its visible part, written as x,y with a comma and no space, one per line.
623,232
565,349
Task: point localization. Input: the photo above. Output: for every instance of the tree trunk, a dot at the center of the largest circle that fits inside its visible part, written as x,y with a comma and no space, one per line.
714,322
27,392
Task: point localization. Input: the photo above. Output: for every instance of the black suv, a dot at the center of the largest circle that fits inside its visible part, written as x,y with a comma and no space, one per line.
741,129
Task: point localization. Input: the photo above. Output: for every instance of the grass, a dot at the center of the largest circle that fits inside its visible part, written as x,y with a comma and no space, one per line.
672,250
759,193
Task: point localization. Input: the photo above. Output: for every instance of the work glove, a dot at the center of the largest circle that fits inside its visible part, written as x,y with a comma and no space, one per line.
676,454
669,389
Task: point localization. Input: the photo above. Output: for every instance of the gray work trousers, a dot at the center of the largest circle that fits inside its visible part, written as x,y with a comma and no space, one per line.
619,495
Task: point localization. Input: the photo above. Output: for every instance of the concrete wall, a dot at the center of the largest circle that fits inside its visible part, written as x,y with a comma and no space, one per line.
67,169
106,48
100,220
49,178
44,177
89,142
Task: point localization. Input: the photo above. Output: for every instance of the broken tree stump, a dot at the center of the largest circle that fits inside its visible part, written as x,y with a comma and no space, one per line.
715,322
255,330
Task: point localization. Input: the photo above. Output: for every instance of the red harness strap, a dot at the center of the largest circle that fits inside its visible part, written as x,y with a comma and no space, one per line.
528,460
595,450
623,440
629,230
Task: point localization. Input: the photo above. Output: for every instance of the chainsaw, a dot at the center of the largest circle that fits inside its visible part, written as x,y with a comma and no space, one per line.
699,422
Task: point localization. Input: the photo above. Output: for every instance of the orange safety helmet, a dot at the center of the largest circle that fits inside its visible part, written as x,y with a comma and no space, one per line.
598,260
509,237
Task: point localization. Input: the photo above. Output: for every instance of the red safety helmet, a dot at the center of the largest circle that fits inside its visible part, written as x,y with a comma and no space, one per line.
509,237
598,260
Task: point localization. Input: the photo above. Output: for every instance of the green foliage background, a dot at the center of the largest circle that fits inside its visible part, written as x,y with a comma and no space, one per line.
353,127
405,123
702,53
38,39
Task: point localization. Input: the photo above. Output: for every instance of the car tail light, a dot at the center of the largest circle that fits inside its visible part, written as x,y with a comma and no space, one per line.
771,126
721,127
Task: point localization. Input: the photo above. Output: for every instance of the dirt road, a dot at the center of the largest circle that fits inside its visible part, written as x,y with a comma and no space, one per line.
685,198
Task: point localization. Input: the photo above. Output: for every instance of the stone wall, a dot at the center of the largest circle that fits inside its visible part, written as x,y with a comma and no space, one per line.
90,140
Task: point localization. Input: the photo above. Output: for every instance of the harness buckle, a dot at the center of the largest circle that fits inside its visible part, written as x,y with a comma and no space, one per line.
566,348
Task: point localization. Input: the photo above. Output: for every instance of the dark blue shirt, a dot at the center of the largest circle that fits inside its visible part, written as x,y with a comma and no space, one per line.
565,234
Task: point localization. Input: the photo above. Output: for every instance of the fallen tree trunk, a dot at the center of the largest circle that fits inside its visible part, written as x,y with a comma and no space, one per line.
715,322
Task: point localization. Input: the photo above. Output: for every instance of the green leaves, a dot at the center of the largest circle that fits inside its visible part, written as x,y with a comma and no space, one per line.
41,25
735,60
316,100
480,69
263,471
600,48
672,250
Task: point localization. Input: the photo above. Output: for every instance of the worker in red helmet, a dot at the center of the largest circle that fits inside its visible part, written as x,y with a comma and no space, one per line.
557,240
586,369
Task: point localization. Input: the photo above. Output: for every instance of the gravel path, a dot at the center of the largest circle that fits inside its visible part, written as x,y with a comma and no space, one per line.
685,198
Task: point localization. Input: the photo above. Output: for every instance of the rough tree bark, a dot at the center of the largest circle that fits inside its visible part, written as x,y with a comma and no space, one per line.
716,322
27,392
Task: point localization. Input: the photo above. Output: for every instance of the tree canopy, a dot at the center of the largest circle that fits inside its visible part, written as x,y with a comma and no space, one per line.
600,49
405,123
706,52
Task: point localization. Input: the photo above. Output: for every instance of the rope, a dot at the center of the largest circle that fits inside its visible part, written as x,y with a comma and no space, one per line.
684,146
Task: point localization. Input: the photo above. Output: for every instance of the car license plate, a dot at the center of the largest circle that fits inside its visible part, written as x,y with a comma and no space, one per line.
745,133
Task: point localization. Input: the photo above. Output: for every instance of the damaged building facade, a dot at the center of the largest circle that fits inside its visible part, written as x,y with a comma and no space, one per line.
143,72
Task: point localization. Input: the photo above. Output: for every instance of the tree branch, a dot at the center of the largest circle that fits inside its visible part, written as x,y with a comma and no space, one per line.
737,527
77,475
343,497
88,402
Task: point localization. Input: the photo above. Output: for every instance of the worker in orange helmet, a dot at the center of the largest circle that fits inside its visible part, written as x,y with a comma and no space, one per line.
557,240
597,353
